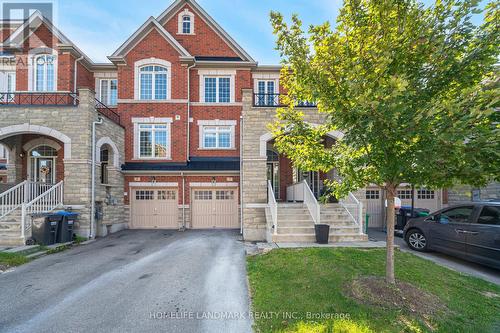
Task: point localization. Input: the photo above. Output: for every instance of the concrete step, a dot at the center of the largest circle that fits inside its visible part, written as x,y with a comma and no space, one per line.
8,240
303,230
6,226
310,238
291,205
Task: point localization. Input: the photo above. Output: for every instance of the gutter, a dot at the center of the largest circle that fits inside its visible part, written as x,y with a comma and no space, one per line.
241,175
75,72
188,126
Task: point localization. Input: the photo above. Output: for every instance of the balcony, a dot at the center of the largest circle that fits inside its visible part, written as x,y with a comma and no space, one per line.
265,100
53,99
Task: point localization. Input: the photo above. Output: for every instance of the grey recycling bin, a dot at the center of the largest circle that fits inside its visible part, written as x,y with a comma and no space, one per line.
66,224
44,228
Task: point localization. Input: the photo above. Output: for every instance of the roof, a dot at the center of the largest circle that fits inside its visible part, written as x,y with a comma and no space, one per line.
196,164
174,7
143,30
210,58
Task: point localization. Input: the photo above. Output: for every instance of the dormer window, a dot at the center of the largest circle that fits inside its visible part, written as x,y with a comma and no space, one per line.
185,23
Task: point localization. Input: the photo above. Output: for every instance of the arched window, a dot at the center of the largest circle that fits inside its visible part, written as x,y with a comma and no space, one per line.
153,82
186,24
44,72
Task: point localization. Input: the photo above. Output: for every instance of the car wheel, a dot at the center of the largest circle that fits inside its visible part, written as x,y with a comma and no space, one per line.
416,240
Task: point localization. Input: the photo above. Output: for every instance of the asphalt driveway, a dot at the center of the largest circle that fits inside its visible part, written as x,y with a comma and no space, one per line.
457,264
132,281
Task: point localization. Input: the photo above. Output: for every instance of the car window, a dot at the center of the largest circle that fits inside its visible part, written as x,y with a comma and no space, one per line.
490,215
456,215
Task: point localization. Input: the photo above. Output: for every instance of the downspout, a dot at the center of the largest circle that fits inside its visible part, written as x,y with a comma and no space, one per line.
183,202
241,175
188,110
75,73
92,203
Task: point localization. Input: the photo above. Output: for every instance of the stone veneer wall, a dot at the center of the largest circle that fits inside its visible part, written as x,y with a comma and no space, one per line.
463,193
74,122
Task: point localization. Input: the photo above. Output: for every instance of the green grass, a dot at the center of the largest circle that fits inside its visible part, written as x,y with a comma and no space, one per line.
12,259
314,280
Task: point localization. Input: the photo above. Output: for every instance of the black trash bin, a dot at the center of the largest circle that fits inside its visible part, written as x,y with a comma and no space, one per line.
45,228
404,214
67,222
322,233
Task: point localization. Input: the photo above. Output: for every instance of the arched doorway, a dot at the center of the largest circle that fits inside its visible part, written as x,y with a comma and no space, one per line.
42,164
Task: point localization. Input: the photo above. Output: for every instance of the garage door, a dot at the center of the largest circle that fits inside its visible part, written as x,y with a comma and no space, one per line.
215,208
154,208
374,207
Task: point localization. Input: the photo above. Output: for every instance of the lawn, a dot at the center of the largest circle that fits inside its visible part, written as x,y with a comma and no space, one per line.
12,259
286,285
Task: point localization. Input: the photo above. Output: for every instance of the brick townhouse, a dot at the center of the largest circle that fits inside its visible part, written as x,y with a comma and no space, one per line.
171,133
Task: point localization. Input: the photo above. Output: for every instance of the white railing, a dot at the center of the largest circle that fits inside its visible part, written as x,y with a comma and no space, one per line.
311,203
12,199
43,203
273,206
354,208
36,189
295,192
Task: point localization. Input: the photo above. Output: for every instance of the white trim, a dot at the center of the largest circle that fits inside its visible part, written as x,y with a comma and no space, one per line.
152,120
256,85
137,81
33,54
99,90
159,101
28,128
142,32
174,7
194,185
266,76
180,21
41,142
217,73
109,142
152,184
216,123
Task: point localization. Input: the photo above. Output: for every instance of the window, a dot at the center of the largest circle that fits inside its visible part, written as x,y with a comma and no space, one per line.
104,166
217,89
490,215
456,215
43,151
372,194
425,194
154,141
44,72
217,137
404,194
266,94
109,91
166,195
144,195
153,83
203,195
224,195
186,24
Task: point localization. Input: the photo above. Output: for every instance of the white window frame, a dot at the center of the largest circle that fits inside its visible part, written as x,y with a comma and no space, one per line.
180,21
137,78
231,74
107,101
32,69
218,124
152,121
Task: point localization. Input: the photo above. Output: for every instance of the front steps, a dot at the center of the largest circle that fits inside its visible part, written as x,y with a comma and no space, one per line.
10,230
295,224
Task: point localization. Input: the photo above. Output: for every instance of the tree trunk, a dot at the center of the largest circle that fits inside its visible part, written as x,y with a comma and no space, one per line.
390,214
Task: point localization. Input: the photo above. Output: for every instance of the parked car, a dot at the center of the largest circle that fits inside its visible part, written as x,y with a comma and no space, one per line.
469,231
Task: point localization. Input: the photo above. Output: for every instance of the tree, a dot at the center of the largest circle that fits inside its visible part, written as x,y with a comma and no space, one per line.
413,88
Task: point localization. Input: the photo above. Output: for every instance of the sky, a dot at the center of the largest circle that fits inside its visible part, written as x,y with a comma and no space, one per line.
99,27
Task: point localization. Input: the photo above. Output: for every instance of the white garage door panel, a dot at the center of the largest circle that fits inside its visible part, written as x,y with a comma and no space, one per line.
154,208
215,208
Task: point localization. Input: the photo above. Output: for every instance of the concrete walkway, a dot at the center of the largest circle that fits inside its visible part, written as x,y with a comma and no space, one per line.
133,281
459,265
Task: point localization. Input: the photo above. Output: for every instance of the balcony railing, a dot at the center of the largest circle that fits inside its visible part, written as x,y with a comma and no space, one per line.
273,100
38,98
107,112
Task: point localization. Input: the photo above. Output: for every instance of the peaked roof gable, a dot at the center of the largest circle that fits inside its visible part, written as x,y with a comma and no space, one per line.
142,32
172,10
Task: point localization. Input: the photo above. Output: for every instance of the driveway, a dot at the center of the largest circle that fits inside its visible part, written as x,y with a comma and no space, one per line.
466,267
132,281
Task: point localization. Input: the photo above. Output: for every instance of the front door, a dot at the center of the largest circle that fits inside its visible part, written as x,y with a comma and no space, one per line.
273,175
43,170
312,179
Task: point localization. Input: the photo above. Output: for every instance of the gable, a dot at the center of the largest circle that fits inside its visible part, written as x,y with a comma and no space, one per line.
208,40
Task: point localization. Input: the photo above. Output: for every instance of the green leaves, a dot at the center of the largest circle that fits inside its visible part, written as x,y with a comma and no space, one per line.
412,88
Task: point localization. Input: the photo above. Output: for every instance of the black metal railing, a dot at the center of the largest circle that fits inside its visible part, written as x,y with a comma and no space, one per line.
274,100
107,111
38,98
